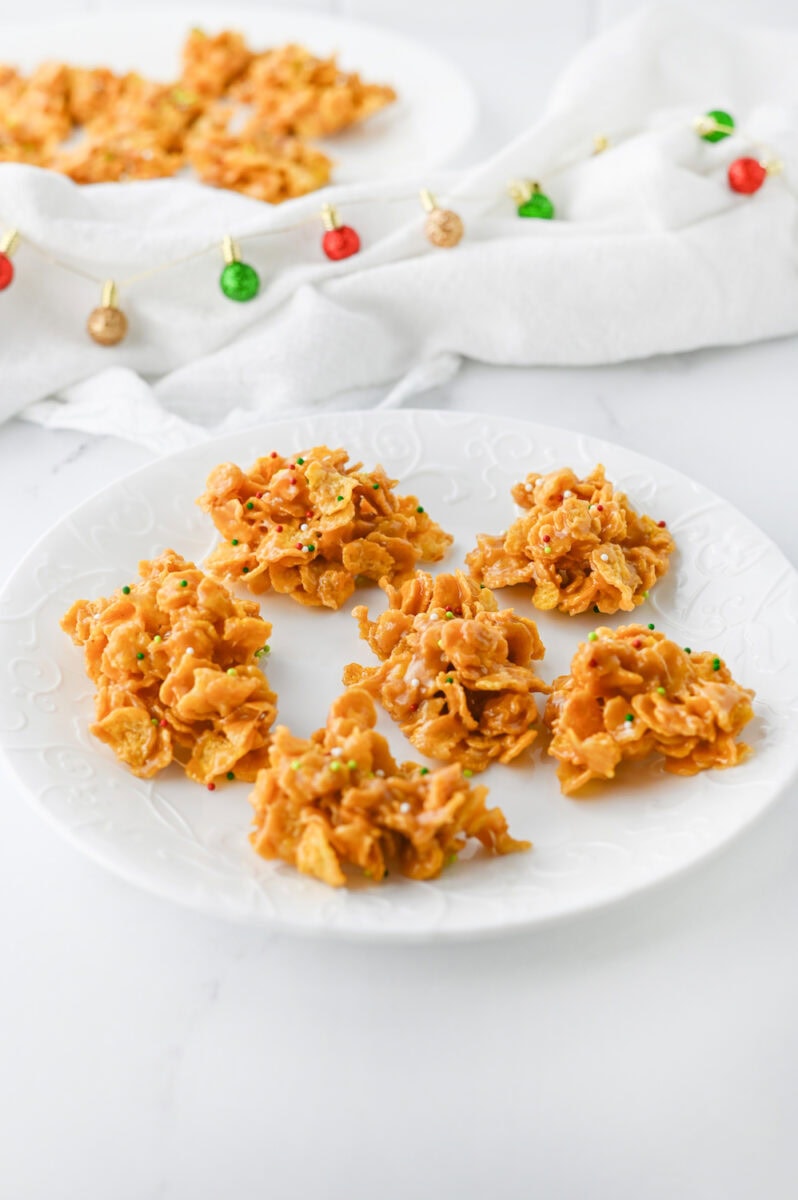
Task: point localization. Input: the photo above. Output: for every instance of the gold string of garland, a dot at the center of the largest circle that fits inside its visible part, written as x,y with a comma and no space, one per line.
444,229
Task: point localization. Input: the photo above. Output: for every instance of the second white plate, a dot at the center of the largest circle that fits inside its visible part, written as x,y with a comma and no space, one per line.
428,126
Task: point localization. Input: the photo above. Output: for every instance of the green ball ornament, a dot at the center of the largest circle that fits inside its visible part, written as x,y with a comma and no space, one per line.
538,205
239,281
719,117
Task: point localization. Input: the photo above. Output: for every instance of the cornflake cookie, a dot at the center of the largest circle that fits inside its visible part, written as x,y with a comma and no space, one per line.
580,544
457,674
296,93
311,526
632,693
339,798
253,160
175,662
212,62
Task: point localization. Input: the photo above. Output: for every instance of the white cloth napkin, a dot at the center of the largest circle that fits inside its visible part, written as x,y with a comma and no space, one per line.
651,252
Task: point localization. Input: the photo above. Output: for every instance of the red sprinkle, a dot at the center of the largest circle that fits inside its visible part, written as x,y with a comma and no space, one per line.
593,663
308,514
660,524
211,787
293,480
413,707
279,528
546,537
273,454
637,643
599,508
163,724
259,495
299,545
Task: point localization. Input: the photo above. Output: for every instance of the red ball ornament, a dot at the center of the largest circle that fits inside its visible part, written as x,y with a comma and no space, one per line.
341,242
6,271
746,175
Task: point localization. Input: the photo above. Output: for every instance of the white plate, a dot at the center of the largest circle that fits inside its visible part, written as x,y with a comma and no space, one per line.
729,590
431,121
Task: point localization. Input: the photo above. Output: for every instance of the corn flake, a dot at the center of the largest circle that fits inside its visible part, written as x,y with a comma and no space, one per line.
632,693
339,799
175,662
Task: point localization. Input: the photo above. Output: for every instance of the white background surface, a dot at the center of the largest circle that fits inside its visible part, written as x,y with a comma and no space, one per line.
646,1052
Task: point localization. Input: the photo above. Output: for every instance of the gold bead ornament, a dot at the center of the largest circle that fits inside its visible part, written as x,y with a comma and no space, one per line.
107,325
443,227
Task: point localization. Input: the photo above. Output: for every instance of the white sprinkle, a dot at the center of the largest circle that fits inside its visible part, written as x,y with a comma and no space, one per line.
567,495
503,533
604,557
404,808
189,650
380,773
306,549
528,487
304,528
415,683
336,752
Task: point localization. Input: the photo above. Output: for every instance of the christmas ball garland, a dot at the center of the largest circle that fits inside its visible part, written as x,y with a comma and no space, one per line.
443,228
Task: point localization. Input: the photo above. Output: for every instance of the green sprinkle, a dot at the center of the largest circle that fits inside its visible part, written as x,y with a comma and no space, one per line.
352,765
335,765
467,772
595,608
311,546
650,625
715,664
157,638
184,583
419,509
481,587
687,650
645,595
263,650
449,679
154,720
126,590
592,636
547,549
140,654
451,859
232,671
449,615
424,771
231,775
375,486
234,542
250,504
299,462
629,717
339,499
245,570
661,691
296,765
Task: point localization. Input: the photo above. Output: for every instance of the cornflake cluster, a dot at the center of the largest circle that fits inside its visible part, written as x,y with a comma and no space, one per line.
457,674
311,526
631,693
135,128
175,662
580,545
339,798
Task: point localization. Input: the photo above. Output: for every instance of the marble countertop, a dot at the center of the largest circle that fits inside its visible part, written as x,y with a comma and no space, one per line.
649,1050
